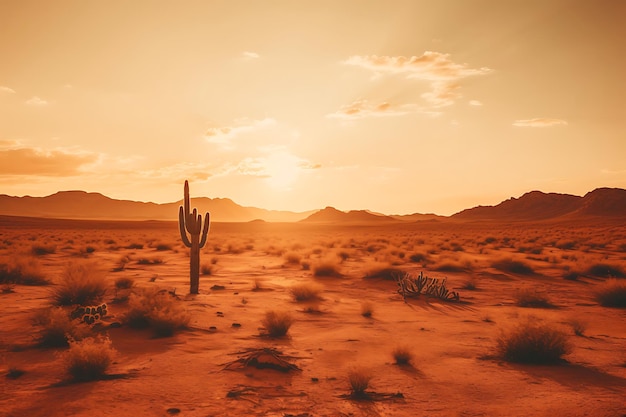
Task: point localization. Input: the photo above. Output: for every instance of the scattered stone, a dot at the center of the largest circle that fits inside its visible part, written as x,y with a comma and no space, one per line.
236,324
173,410
218,287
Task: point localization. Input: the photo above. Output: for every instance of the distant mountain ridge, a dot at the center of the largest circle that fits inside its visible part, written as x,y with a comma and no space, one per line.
537,205
532,206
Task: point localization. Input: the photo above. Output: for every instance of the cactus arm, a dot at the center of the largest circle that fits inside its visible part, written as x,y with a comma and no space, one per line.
205,230
181,226
186,201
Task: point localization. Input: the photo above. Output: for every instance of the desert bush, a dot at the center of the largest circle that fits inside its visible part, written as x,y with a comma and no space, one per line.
611,293
163,246
528,297
384,271
40,250
135,246
578,326
57,327
327,267
606,271
359,380
150,261
80,283
307,291
513,266
533,342
402,355
157,309
89,359
23,271
124,283
418,257
292,258
277,323
367,309
206,269
470,284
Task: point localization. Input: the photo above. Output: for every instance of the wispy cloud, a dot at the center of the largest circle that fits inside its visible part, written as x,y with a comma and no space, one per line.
475,103
248,56
225,134
4,89
539,122
36,101
435,67
20,160
360,109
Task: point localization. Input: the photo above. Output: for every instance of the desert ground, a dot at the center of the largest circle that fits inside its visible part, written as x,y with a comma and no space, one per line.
221,361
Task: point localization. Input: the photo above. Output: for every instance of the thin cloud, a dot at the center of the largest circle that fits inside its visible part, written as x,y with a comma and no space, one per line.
36,101
4,89
435,67
225,134
248,56
539,122
38,162
363,108
475,103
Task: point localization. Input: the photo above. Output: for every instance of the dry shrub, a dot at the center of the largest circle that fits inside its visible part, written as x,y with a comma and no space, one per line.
384,271
528,297
57,327
359,380
470,284
533,342
578,326
611,293
402,355
80,283
206,269
23,271
124,283
308,291
277,323
292,258
40,250
326,267
150,261
157,309
513,266
89,359
606,271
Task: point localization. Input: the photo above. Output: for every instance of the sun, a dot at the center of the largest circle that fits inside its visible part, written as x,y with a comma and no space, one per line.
282,170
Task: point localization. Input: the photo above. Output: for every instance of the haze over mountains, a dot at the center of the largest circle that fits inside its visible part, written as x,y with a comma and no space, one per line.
532,206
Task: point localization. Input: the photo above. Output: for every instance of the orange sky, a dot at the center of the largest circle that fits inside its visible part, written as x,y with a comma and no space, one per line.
392,106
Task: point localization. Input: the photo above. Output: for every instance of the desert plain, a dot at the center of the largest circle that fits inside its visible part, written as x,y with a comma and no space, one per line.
353,322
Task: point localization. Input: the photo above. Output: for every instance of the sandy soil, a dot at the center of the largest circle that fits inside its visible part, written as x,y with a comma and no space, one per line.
454,372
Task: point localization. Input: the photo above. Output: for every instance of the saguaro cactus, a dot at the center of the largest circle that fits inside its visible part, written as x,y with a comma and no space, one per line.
192,222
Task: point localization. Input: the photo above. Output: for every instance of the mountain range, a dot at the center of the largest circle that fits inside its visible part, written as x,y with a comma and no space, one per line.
532,206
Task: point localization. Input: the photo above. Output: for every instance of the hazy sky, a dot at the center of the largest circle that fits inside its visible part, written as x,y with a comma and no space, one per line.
392,106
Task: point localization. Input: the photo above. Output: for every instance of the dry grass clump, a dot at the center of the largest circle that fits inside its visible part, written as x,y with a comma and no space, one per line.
157,309
308,291
326,267
57,327
40,250
402,355
80,283
22,271
206,269
578,326
606,271
277,323
528,297
359,380
89,359
124,283
513,266
533,342
384,271
611,293
292,258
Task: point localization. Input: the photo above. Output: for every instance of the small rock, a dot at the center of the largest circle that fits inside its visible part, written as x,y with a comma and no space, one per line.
236,324
173,410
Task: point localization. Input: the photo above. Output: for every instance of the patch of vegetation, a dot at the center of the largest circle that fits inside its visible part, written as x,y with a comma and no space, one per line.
57,327
124,283
367,309
89,359
22,271
611,293
308,291
359,380
277,323
328,267
528,297
606,271
512,266
157,309
402,355
533,342
410,287
206,269
80,283
41,250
